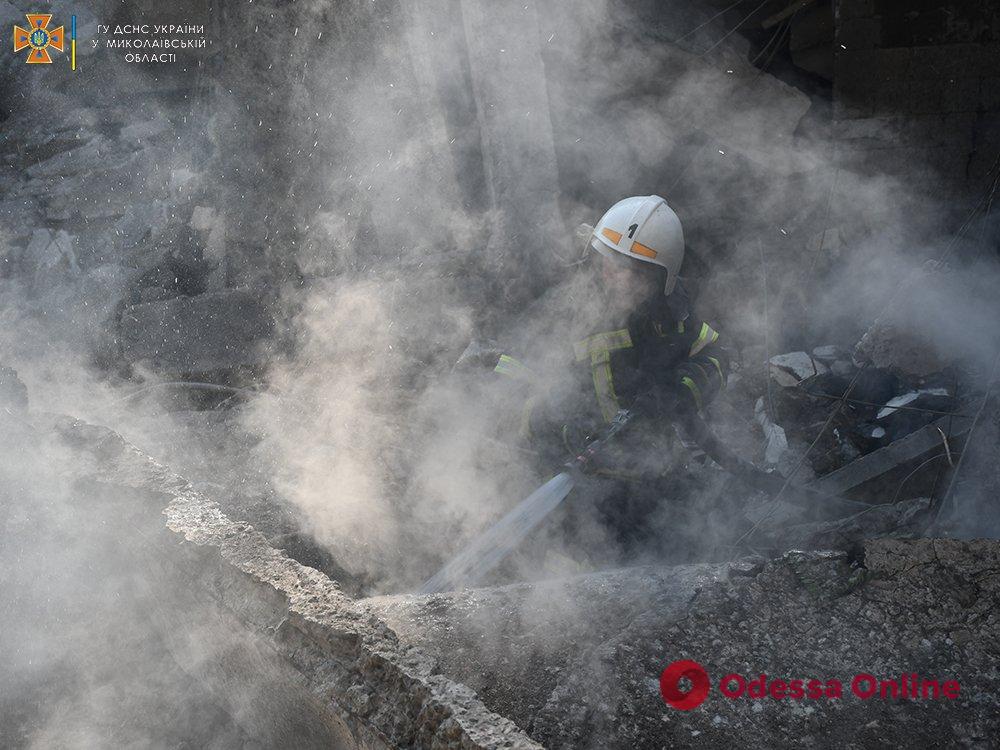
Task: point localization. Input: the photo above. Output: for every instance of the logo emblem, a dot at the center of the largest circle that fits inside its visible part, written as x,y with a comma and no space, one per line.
38,37
670,687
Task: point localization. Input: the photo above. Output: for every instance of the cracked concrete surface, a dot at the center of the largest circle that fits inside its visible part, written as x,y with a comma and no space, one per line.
294,661
591,662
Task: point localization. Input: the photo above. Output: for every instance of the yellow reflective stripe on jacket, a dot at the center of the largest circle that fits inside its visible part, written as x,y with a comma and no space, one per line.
708,335
598,348
695,391
513,368
718,366
607,341
604,386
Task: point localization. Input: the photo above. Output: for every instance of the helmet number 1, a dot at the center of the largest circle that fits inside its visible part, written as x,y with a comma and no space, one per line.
631,230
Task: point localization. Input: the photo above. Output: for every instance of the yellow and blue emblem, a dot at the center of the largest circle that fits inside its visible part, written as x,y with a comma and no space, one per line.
39,38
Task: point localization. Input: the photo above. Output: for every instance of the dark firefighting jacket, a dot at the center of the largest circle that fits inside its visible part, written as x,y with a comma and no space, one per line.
673,365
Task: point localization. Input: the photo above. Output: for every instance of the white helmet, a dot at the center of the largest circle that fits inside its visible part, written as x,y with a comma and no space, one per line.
644,228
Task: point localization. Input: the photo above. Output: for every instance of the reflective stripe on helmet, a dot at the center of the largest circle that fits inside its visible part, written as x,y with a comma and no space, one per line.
639,249
708,335
645,229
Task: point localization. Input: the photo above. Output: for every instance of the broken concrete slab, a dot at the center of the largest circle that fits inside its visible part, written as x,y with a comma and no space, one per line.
292,660
513,644
215,331
896,453
573,662
903,519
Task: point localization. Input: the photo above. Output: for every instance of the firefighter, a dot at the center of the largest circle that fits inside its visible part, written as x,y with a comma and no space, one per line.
651,346
651,355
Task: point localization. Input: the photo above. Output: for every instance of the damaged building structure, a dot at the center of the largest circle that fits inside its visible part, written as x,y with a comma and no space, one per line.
240,295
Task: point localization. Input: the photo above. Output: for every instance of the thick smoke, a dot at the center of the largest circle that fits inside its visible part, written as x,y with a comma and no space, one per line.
409,191
393,460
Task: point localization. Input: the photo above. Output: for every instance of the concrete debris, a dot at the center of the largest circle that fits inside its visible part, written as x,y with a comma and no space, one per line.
791,369
892,406
871,431
889,346
925,602
903,519
896,453
829,354
314,668
776,444
842,368
97,156
189,194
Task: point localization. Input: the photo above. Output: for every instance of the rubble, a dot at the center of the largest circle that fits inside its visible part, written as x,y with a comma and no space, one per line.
908,605
142,216
791,369
775,442
829,354
892,406
906,349
896,453
314,669
907,518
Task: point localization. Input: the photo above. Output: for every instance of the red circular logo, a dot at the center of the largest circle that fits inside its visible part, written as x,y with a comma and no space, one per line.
670,684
